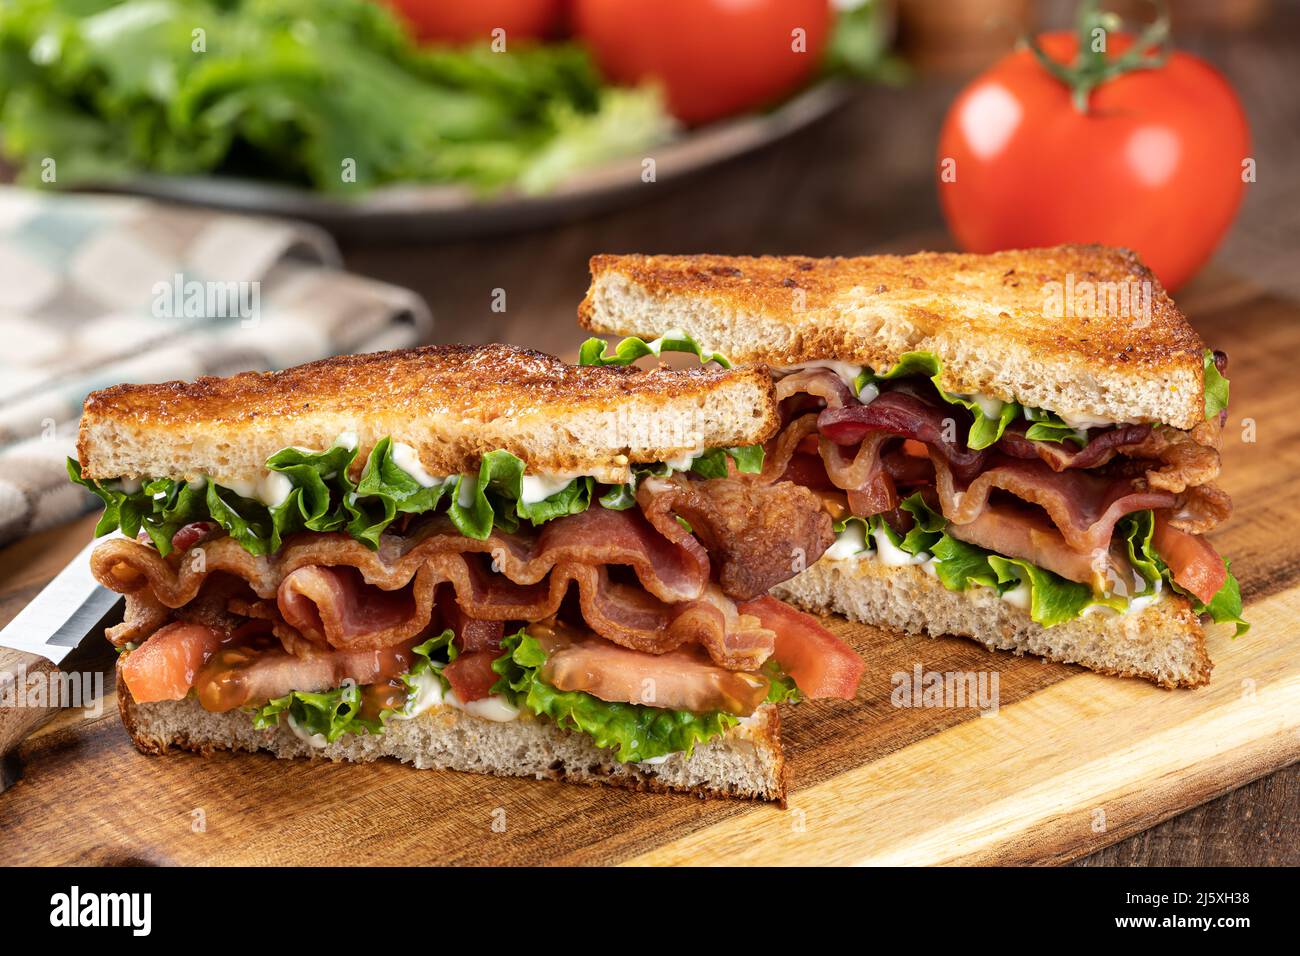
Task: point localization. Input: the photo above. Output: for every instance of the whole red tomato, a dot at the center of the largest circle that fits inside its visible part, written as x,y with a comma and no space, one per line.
1154,164
463,21
713,57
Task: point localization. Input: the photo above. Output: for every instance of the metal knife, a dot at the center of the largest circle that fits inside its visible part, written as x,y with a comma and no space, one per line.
71,608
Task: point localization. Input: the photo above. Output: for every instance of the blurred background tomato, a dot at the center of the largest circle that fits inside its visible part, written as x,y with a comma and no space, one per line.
713,57
1151,159
460,21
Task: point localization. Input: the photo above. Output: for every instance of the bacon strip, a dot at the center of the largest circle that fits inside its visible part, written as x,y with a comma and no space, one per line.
1015,532
1062,455
757,534
674,604
819,382
1083,506
900,413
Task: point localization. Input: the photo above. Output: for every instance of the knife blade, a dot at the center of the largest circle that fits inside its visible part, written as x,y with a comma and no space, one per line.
71,608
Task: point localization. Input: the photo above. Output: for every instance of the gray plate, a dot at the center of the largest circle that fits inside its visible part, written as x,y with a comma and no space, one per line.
451,212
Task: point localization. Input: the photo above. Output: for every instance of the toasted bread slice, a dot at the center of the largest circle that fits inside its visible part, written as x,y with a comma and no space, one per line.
452,403
1163,643
1010,325
746,762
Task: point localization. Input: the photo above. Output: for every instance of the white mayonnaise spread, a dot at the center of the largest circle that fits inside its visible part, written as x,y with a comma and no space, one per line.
1080,422
1019,596
311,740
537,488
849,544
495,707
684,461
429,694
408,459
426,695
891,555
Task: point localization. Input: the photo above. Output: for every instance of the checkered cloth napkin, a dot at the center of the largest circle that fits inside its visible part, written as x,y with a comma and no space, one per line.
97,290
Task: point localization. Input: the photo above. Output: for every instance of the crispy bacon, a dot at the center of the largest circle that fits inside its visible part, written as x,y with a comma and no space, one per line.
335,607
1201,509
755,532
1083,506
900,413
1059,456
672,604
819,382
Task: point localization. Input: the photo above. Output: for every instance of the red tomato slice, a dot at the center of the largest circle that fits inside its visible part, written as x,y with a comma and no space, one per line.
471,675
1195,565
164,666
684,679
820,663
809,471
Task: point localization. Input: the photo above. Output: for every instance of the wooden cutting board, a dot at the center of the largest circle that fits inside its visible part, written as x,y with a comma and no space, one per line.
1069,763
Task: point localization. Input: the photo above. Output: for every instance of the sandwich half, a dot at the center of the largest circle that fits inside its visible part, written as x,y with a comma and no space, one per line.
1021,448
479,559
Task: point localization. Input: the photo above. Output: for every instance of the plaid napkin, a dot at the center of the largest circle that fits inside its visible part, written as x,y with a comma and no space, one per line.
97,290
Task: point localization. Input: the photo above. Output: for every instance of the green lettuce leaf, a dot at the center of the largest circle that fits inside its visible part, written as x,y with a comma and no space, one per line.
330,713
288,90
1048,426
430,659
960,565
161,507
984,429
713,463
1216,387
595,351
927,527
783,689
495,496
1052,598
383,492
1225,607
635,732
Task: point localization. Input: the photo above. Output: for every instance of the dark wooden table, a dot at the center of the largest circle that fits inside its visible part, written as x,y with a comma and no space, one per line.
863,181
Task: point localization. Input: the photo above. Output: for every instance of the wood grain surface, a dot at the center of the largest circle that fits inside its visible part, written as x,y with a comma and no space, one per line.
1070,762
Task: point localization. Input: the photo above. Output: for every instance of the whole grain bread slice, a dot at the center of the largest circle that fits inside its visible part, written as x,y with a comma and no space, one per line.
452,403
1163,643
746,762
1084,331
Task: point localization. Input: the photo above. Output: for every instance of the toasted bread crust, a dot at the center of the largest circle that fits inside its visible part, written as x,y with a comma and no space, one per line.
989,317
453,403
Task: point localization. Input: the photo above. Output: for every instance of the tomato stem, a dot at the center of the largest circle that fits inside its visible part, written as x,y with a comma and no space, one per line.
1091,67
